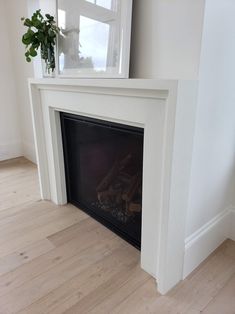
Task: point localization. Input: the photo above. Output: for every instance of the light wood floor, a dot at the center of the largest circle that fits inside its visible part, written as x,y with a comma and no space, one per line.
58,260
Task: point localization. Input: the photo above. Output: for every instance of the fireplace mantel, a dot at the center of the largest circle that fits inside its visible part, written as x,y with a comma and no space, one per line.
166,111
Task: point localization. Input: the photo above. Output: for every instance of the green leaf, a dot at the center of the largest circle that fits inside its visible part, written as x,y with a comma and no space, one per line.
51,33
41,34
32,52
27,22
48,16
26,40
38,12
29,33
35,45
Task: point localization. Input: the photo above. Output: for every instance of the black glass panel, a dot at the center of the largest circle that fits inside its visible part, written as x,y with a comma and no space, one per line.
103,163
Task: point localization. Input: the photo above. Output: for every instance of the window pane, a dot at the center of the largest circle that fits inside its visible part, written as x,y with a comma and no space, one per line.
105,3
94,38
61,19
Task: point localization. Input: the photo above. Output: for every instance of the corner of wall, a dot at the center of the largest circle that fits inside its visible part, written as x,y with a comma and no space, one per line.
29,151
10,150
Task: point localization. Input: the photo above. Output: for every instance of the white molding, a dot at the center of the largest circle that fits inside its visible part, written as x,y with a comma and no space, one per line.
166,111
10,150
205,240
176,198
232,224
39,139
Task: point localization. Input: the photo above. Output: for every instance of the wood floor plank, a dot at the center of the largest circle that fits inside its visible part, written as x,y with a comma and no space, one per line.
40,215
138,301
89,242
132,277
29,216
17,183
74,231
10,262
43,284
16,210
194,293
92,278
224,302
56,259
14,167
35,233
13,190
228,248
106,299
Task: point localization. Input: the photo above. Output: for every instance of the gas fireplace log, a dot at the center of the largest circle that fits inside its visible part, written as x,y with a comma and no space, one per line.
134,207
118,199
104,184
117,168
132,189
125,161
105,197
125,178
116,194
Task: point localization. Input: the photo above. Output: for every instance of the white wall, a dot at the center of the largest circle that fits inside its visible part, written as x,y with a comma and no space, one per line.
22,71
166,38
167,43
47,6
213,169
159,48
10,135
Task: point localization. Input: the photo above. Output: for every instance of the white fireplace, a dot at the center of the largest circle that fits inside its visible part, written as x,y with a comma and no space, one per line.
166,111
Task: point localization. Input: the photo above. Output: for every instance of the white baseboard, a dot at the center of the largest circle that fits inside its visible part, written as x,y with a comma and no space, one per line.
10,150
232,224
29,151
205,240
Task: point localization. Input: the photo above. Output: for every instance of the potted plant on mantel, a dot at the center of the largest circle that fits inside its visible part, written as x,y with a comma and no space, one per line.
41,35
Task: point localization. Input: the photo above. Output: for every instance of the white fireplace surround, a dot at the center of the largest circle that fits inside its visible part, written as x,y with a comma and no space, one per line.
166,111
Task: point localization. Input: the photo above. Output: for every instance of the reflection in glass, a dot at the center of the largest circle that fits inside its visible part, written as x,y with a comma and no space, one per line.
103,3
90,43
90,38
62,19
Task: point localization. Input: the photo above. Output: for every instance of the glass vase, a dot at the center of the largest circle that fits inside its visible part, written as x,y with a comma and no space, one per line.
45,72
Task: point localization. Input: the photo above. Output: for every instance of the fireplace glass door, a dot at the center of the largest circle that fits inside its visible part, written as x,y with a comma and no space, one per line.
103,166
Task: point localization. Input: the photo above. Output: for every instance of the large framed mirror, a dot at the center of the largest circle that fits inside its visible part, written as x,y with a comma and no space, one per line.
95,38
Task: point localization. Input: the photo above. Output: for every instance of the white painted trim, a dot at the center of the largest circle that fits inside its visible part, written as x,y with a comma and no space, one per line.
232,224
181,147
205,240
166,111
39,138
10,150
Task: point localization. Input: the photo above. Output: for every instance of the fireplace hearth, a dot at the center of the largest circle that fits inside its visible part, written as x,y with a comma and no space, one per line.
103,168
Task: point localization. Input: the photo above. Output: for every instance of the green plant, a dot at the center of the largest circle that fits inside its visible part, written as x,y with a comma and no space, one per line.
41,34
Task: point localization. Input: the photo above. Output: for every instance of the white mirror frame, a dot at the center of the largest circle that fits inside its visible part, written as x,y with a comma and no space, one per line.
120,71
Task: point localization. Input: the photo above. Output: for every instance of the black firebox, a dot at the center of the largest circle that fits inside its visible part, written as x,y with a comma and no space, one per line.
103,166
